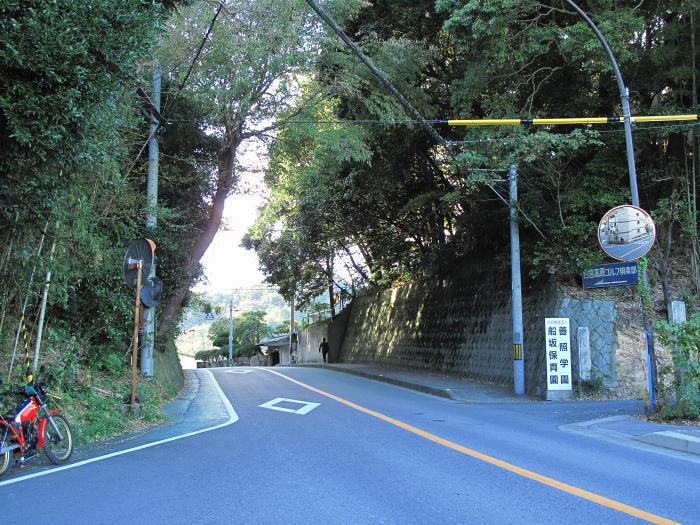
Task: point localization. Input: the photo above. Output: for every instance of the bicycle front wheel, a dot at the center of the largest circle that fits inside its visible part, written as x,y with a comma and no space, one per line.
5,461
58,446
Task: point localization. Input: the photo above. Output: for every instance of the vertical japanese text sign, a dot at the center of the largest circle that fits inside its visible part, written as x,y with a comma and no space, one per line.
558,353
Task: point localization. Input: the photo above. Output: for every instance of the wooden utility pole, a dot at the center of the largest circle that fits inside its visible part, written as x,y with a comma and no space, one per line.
135,340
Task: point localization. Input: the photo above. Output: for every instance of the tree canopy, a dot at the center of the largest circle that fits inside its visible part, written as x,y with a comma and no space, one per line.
408,208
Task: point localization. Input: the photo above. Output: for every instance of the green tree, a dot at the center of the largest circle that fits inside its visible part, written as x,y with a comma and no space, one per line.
245,74
249,328
68,118
301,228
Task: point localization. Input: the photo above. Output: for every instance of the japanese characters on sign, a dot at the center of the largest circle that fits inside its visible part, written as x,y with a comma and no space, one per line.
614,274
558,353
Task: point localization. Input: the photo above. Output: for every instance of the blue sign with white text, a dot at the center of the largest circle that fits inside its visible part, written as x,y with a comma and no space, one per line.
614,274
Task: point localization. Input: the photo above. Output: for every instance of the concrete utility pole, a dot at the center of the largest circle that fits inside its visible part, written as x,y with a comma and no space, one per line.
149,333
230,330
291,328
516,288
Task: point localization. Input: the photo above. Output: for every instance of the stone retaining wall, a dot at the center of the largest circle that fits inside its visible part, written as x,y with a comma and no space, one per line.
462,326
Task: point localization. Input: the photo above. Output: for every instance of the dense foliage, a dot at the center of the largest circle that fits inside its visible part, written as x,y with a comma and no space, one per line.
72,192
68,114
351,185
680,394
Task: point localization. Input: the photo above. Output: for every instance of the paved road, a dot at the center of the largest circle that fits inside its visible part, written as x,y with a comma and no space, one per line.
629,251
343,449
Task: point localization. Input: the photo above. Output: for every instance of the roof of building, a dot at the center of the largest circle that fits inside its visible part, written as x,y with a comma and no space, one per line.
279,341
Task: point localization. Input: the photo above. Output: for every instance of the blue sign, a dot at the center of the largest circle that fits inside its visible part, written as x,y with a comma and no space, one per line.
614,274
210,316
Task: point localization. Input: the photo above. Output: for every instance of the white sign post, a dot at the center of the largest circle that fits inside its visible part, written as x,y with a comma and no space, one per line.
558,358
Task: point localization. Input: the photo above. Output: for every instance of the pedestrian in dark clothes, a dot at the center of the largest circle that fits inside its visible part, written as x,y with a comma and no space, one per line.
323,347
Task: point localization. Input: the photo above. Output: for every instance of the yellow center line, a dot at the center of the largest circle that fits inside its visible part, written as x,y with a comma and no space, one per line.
545,480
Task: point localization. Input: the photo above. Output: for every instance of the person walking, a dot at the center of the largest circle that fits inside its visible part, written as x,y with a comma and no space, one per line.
324,348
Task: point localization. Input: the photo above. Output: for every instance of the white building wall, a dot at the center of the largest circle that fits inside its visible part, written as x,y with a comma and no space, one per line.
309,340
284,356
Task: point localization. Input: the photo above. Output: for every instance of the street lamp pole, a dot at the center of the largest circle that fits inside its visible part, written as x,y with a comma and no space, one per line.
624,97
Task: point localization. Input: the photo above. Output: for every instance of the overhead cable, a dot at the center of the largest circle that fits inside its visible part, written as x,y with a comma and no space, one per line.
388,85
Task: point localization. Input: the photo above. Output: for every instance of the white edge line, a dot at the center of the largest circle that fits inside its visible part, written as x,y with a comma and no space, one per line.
233,417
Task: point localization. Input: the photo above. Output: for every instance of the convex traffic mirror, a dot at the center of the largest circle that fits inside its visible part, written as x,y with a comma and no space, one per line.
626,233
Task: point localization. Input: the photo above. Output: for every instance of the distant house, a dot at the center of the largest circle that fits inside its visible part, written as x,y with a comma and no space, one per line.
626,225
277,350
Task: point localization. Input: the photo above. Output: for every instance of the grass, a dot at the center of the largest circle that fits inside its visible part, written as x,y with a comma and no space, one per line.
99,411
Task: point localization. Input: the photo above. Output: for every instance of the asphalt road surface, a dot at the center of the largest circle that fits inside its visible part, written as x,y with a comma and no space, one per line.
629,251
310,445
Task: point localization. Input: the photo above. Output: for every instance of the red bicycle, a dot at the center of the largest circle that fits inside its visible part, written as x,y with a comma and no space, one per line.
33,427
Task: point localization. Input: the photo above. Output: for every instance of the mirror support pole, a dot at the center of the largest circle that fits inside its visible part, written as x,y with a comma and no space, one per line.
650,353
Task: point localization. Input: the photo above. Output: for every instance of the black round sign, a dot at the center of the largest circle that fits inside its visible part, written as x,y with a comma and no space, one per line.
139,250
152,292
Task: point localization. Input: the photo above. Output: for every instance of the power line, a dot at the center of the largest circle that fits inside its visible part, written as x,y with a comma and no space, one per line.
567,120
170,103
377,73
641,129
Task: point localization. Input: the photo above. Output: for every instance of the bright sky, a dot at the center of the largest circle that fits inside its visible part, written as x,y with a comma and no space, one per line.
226,264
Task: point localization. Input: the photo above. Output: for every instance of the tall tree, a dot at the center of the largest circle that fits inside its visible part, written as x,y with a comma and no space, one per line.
302,227
245,73
411,212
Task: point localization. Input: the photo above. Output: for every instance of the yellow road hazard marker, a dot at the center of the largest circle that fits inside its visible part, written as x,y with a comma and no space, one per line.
545,480
517,352
568,120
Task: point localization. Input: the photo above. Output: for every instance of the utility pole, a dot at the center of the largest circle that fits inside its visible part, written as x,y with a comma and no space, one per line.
230,330
516,288
291,329
148,340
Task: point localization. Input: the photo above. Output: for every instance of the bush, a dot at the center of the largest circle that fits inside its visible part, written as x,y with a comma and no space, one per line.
111,363
679,399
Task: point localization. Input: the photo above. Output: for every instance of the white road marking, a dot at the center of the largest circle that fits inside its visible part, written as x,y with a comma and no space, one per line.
238,371
305,409
233,417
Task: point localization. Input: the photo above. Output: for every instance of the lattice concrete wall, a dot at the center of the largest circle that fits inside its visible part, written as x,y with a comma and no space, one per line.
462,326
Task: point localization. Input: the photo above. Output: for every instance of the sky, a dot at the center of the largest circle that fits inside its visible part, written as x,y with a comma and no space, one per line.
226,264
